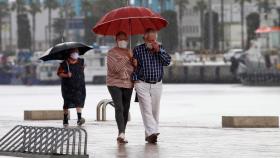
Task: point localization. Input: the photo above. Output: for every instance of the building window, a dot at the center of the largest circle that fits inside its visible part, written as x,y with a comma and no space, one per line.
187,44
194,44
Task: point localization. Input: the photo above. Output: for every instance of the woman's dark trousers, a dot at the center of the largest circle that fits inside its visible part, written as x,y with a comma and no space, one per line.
121,98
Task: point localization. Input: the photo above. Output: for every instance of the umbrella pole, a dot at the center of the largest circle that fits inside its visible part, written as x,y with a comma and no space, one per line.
68,66
129,22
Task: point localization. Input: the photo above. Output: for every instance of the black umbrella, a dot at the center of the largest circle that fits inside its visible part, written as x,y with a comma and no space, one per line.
61,50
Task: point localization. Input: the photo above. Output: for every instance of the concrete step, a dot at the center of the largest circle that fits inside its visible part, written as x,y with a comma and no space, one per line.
250,121
43,115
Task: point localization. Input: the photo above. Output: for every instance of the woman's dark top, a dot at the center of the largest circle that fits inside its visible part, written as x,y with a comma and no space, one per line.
73,89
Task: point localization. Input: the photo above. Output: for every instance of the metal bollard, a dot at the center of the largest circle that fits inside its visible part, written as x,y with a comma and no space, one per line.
101,110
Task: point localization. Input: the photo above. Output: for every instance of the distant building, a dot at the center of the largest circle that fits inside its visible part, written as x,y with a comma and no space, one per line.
76,4
189,31
191,25
75,25
155,4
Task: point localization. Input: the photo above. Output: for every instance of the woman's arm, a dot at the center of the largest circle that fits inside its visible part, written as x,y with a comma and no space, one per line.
62,74
65,75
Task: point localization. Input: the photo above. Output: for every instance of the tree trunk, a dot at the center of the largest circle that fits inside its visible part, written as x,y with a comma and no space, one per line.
278,10
201,29
211,27
66,24
180,28
242,24
49,27
34,32
85,25
0,32
147,3
222,26
10,31
162,5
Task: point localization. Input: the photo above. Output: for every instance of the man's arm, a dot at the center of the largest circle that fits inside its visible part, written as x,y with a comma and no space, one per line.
164,56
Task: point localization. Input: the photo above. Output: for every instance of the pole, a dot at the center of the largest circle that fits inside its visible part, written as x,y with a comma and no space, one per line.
1,33
130,32
222,26
10,31
242,24
210,25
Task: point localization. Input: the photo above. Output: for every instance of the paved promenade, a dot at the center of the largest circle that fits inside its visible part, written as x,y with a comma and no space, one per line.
176,141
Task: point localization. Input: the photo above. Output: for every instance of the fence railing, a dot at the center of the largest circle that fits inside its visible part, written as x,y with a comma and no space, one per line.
45,141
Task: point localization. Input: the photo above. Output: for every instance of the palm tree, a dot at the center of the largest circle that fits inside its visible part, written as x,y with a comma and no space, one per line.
3,12
162,5
241,2
200,7
69,14
87,11
146,3
181,7
50,5
87,7
19,6
263,4
35,7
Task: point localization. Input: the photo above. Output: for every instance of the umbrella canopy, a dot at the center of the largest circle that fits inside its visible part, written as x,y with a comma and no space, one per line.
61,50
266,29
131,20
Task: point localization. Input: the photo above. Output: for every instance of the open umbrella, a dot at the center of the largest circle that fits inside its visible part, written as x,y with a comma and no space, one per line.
266,29
61,50
131,20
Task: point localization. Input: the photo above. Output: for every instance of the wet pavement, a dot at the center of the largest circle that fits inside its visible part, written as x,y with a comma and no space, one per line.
190,121
175,141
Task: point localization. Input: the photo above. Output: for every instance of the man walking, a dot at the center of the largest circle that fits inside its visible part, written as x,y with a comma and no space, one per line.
151,57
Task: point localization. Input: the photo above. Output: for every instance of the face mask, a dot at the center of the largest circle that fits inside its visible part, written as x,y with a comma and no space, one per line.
149,45
122,44
74,55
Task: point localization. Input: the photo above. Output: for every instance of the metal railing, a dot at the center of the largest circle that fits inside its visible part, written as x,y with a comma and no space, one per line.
45,141
101,109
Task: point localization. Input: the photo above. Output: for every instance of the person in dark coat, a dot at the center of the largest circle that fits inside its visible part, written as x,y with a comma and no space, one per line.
71,72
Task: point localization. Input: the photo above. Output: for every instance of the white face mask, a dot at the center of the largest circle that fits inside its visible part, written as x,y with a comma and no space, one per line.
74,55
122,44
149,45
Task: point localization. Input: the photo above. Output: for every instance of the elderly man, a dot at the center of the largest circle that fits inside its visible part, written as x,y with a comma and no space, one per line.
151,57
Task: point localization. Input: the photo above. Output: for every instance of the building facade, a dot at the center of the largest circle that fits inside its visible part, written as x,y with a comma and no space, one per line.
74,25
155,5
191,30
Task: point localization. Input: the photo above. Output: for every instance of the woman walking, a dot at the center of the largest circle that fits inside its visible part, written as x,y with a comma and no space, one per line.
71,72
119,81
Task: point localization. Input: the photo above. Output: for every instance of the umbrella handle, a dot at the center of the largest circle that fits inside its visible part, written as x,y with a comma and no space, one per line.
68,66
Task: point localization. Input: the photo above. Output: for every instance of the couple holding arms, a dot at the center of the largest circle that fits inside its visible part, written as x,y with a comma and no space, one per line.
141,69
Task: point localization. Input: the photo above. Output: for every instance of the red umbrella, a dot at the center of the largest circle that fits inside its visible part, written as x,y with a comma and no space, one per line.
266,29
131,20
